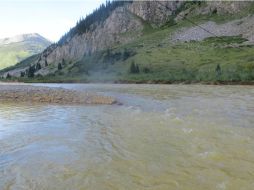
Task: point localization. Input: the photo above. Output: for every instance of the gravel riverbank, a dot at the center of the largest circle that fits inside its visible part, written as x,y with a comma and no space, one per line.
35,94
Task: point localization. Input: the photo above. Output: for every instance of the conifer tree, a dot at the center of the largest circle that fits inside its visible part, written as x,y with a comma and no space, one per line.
38,66
8,76
31,71
218,70
59,66
134,69
22,74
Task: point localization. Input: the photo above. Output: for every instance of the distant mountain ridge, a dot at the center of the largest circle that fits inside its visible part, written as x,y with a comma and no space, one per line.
15,49
23,37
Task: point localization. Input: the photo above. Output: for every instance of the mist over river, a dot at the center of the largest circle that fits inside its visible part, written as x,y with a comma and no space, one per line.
162,137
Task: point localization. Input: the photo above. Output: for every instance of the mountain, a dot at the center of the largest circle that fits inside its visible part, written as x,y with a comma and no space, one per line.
151,41
17,48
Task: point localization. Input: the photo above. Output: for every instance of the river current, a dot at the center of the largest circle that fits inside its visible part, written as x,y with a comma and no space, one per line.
162,137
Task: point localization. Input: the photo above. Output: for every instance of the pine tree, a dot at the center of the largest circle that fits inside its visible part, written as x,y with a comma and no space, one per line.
8,76
218,70
38,66
22,74
126,54
137,69
63,61
59,66
132,67
31,71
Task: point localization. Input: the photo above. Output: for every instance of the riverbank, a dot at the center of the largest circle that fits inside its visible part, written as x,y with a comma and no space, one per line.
35,94
188,82
121,81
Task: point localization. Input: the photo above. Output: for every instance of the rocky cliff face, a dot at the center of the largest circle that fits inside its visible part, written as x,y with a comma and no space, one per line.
224,7
155,12
105,34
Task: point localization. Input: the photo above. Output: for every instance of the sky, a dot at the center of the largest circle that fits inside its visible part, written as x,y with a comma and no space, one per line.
49,18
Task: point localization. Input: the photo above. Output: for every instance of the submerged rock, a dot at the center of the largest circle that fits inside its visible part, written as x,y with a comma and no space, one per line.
23,93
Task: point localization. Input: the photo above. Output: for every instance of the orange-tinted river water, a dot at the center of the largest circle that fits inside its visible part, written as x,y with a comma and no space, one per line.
163,137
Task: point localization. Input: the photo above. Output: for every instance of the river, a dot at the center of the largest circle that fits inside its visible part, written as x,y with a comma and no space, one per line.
162,137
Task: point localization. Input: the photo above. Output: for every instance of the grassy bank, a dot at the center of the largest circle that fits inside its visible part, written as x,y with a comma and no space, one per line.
222,59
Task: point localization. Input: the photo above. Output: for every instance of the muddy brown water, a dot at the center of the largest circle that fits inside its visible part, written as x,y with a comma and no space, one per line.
186,137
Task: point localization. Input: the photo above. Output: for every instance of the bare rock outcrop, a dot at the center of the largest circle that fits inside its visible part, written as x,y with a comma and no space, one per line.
223,7
244,27
156,12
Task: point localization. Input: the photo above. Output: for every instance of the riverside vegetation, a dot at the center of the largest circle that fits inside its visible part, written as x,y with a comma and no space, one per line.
154,56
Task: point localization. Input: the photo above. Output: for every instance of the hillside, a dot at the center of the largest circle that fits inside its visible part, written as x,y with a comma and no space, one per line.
152,41
17,48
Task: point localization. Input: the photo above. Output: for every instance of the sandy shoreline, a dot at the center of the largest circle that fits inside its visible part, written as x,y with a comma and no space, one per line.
36,94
